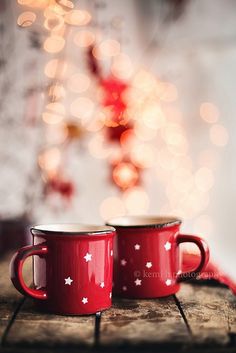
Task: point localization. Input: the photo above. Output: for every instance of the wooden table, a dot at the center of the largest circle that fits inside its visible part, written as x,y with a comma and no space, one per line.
198,318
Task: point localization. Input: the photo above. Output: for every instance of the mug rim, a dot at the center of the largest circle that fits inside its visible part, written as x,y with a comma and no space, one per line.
79,229
145,221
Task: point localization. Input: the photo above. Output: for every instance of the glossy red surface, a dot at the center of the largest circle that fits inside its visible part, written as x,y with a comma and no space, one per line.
72,274
146,260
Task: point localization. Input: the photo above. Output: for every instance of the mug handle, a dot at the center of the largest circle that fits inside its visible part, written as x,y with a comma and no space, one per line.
204,251
16,267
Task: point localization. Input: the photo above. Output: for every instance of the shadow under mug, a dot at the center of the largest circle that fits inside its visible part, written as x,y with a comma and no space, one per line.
72,272
146,256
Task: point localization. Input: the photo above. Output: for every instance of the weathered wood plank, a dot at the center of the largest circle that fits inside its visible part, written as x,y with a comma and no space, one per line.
143,322
32,328
9,297
210,312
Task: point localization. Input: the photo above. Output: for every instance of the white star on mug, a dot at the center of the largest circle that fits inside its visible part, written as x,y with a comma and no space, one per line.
138,282
102,285
110,295
168,282
124,288
137,247
68,281
167,246
123,262
111,252
149,264
84,300
88,257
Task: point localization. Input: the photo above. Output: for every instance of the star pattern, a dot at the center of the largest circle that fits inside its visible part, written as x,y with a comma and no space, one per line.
110,295
124,288
88,257
84,300
123,262
167,246
68,281
111,252
138,282
149,264
137,247
168,282
102,284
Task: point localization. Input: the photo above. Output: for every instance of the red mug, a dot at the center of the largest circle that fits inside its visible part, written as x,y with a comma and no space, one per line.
146,256
72,272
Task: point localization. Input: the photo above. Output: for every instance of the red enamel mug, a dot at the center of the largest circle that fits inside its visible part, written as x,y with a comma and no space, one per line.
146,256
72,268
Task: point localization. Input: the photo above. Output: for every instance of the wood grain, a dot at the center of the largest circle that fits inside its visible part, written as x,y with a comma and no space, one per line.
9,296
143,322
210,312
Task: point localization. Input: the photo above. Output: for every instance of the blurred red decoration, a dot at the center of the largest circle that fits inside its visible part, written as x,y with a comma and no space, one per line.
61,186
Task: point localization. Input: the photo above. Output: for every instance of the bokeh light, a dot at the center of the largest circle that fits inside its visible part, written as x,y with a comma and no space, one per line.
204,179
55,68
54,44
82,108
78,18
56,134
219,135
209,112
143,156
51,118
98,148
26,19
112,207
125,175
34,3
49,160
122,66
78,83
153,116
84,38
136,201
56,92
169,92
54,22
